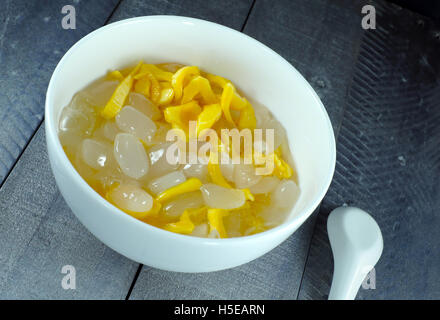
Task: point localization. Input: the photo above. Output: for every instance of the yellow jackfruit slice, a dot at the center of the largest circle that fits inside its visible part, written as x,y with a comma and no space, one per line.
215,219
178,79
199,85
114,105
192,184
184,225
211,114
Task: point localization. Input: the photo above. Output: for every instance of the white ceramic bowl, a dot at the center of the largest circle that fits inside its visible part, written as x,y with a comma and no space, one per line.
258,71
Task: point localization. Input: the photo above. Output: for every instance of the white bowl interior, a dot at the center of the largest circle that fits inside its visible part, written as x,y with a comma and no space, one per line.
260,74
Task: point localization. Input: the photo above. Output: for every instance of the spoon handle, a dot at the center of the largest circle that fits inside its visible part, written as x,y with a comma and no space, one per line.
347,278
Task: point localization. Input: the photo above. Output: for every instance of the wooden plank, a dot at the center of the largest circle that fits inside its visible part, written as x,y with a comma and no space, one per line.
38,232
32,41
272,276
39,235
231,13
388,159
320,39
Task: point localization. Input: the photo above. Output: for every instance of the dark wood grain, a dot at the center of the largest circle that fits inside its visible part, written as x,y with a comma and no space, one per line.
39,235
32,41
320,39
388,160
273,276
38,232
231,13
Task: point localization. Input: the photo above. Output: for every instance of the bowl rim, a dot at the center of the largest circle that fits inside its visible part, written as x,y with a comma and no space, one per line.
52,137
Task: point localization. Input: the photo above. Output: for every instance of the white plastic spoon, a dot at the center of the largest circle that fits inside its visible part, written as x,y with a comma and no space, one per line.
357,244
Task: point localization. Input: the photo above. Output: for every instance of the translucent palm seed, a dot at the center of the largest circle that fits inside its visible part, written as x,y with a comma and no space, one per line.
219,197
85,171
96,154
77,121
227,169
130,155
98,94
77,117
285,194
131,198
141,103
158,159
274,216
285,151
167,181
244,176
110,130
108,177
197,170
184,201
161,133
135,122
81,102
262,114
74,120
265,185
279,131
232,223
201,230
70,141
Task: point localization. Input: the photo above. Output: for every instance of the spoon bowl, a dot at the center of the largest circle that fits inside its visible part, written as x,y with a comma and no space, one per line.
357,245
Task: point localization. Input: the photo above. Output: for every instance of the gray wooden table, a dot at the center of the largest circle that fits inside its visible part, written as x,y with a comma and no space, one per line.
380,87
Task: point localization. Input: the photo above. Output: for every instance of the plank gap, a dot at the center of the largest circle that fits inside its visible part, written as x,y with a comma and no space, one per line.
134,281
21,153
248,15
112,13
337,130
42,119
